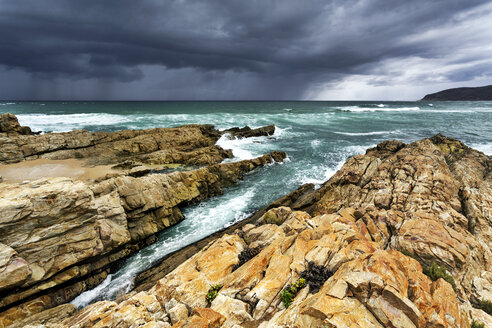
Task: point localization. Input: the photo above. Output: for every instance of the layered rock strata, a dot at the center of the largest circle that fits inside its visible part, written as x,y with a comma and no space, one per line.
190,144
372,228
61,236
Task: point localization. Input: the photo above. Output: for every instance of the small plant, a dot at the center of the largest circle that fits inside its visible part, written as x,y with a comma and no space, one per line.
286,297
477,324
289,292
212,292
300,283
435,271
485,306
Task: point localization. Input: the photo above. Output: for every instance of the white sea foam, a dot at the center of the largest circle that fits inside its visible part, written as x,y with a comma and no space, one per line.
68,122
451,111
315,143
288,109
373,133
381,105
484,148
378,109
325,173
7,104
178,118
200,221
226,141
87,297
248,148
234,208
282,132
357,149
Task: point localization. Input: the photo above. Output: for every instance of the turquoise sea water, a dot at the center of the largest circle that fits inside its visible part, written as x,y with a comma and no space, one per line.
317,136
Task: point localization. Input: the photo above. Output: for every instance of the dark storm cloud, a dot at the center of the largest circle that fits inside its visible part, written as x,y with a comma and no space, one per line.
266,49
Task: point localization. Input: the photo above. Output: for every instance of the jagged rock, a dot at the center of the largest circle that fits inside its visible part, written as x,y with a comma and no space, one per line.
190,144
14,270
198,157
202,318
429,199
90,315
371,286
9,124
481,317
71,229
248,132
176,311
51,317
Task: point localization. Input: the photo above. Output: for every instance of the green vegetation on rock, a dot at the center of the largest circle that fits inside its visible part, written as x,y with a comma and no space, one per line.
212,292
477,324
271,218
486,306
435,271
290,292
451,148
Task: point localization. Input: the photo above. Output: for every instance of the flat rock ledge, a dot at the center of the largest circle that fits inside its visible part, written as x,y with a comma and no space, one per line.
362,242
188,145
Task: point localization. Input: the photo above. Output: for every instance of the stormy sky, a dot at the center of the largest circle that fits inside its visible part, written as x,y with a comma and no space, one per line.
251,50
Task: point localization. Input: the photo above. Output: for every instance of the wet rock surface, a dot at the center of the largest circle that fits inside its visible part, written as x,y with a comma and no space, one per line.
247,132
372,228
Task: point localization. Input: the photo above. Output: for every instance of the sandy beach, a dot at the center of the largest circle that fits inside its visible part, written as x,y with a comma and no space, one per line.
46,168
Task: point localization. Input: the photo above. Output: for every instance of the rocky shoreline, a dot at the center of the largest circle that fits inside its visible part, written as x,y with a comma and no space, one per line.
399,237
61,236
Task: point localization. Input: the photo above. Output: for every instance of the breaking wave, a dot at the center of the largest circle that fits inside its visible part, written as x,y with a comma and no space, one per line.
377,109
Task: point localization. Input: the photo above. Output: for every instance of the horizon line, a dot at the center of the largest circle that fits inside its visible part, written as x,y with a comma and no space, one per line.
200,100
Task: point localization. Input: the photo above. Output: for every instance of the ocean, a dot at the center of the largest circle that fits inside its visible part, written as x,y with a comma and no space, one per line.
317,136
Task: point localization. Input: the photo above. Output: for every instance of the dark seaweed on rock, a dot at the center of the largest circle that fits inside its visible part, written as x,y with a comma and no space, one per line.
315,276
246,255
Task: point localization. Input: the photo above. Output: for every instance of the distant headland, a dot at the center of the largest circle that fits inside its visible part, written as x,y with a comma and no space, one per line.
457,94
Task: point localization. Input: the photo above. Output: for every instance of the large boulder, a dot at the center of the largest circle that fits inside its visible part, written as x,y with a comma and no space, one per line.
10,124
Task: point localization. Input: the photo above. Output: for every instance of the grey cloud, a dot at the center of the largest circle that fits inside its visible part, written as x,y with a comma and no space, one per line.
265,49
